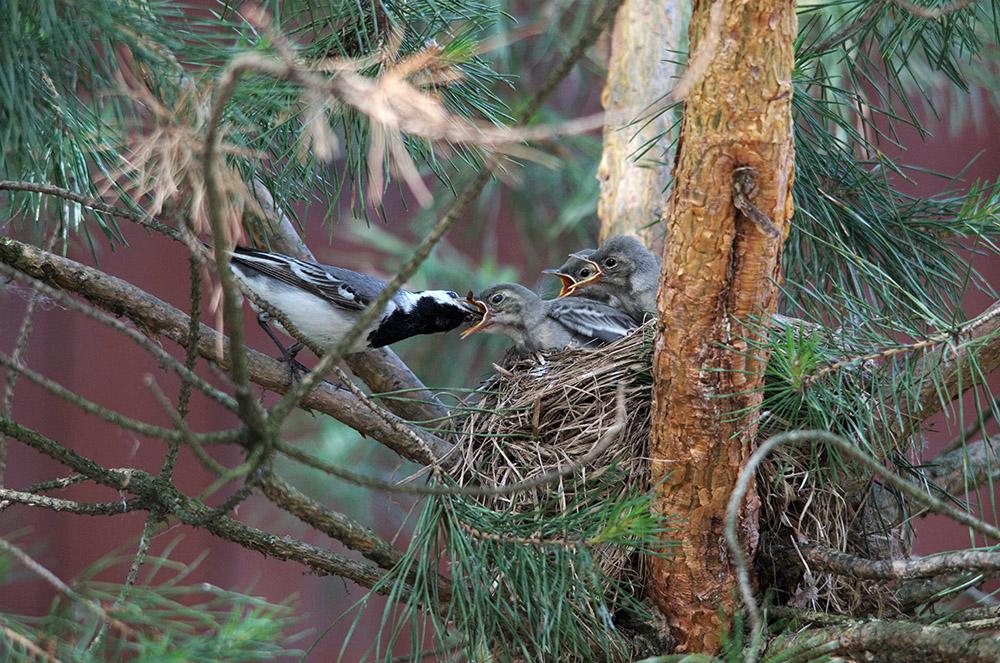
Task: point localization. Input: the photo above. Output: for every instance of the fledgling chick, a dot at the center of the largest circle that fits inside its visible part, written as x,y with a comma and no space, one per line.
575,270
623,269
536,324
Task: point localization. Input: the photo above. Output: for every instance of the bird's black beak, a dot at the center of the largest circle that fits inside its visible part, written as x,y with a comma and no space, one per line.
474,310
567,281
576,285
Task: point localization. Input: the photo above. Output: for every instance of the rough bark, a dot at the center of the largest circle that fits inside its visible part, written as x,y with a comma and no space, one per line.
641,69
718,269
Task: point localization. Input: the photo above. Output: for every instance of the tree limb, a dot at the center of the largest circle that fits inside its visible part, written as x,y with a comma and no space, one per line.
890,642
967,561
943,375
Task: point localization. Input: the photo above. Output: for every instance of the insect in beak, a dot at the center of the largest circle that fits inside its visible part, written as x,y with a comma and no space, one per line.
480,307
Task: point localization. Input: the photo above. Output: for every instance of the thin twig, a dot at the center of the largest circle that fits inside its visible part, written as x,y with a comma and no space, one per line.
93,203
116,418
251,412
54,580
42,259
9,496
932,12
848,31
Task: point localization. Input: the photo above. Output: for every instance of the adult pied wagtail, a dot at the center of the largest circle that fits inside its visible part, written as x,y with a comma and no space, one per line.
323,301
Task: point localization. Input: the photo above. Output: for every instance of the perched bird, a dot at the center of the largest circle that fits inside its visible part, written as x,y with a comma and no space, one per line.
623,269
578,269
323,302
536,324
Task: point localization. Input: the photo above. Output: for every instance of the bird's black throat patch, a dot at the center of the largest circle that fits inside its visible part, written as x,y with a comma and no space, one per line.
429,316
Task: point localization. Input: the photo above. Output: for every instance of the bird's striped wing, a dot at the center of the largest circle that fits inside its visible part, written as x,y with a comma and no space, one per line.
319,280
592,320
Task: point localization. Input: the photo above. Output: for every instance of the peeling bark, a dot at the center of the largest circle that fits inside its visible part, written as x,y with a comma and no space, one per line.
717,271
641,69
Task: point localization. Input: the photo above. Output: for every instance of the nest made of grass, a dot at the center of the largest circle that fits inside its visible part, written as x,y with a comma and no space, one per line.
542,413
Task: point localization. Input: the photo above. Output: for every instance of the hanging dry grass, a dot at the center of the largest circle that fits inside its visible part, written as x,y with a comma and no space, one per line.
541,414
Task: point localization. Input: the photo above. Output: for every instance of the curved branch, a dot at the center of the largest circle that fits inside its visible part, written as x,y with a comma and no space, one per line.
157,317
967,561
943,376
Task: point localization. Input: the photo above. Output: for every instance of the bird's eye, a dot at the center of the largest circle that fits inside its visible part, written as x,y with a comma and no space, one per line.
585,272
453,295
610,262
496,299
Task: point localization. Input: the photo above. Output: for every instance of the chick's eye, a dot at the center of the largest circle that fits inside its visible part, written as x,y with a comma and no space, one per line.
610,262
585,272
496,299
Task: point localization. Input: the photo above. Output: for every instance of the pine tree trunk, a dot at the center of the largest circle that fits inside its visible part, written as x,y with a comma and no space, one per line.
717,272
641,69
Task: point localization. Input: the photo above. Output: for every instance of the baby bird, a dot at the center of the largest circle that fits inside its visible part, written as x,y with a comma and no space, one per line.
623,269
577,269
536,324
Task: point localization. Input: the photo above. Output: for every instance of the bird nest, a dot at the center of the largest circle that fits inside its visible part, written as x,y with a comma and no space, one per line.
540,414
544,414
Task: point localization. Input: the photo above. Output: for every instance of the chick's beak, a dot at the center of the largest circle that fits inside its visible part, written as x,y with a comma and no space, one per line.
567,281
479,308
576,285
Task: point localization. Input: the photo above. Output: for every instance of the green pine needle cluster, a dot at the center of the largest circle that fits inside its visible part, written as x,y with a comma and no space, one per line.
523,584
162,622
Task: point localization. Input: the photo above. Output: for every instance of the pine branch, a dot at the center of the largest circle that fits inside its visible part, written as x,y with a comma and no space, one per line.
966,468
166,499
332,523
966,561
891,642
943,375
